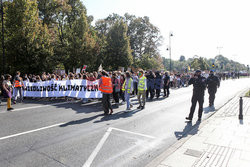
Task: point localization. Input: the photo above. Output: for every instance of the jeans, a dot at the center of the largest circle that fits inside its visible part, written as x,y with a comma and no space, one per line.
127,97
20,90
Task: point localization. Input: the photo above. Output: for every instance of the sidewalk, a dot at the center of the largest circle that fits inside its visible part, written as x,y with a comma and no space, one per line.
222,140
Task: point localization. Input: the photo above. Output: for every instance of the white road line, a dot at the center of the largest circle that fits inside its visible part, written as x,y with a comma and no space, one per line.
97,149
31,131
139,134
103,140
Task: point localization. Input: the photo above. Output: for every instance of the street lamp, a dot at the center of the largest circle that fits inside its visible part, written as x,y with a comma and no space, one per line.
169,49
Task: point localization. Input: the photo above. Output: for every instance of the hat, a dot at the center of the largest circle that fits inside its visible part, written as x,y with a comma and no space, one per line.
197,71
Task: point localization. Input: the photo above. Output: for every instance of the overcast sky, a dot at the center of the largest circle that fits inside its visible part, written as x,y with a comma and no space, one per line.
199,26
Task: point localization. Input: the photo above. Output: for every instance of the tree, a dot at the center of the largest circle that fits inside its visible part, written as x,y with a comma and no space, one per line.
199,63
144,37
118,47
28,44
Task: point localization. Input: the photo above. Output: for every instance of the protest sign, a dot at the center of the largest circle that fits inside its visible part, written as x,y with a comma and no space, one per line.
78,70
70,88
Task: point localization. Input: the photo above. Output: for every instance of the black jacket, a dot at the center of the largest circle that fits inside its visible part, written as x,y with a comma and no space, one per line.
199,84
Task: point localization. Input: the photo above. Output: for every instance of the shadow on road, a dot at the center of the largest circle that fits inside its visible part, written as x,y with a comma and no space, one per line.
81,121
189,129
118,115
208,109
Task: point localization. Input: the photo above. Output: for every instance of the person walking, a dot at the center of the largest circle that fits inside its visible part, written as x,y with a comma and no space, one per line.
105,86
142,88
116,88
199,84
18,87
166,85
7,89
128,89
213,83
135,84
122,80
151,85
158,80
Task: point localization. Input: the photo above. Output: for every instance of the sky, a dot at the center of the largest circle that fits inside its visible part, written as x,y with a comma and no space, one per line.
200,27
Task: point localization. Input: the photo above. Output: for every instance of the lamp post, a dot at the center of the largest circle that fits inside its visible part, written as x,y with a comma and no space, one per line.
3,47
169,49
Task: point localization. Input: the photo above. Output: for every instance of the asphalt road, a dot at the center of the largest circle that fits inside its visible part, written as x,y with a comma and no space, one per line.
58,133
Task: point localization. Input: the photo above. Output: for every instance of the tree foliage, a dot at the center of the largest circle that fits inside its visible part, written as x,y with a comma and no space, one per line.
45,34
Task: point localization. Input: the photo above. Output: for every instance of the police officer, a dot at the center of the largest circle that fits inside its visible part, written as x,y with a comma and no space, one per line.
150,85
213,83
199,83
158,81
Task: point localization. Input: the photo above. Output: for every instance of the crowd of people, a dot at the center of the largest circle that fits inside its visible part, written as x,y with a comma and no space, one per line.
144,84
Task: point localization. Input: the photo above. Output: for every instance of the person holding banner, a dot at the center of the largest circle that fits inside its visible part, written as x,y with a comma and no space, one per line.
106,87
128,89
7,89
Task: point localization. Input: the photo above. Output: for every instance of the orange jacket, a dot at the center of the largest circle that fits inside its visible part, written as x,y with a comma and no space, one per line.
106,85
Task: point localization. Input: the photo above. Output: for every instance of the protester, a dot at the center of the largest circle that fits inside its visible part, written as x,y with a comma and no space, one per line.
135,83
116,88
1,88
128,89
18,87
105,86
122,94
142,88
7,89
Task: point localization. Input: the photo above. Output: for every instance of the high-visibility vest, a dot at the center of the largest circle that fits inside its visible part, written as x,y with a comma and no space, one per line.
17,84
142,83
129,86
106,85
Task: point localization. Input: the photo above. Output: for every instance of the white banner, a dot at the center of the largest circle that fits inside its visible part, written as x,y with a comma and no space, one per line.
70,88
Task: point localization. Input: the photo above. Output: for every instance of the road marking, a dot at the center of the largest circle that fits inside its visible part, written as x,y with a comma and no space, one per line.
103,140
31,131
139,134
98,148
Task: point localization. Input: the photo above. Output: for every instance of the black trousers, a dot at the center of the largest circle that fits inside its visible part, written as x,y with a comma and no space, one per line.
116,96
122,95
166,88
200,99
212,92
151,91
158,92
106,103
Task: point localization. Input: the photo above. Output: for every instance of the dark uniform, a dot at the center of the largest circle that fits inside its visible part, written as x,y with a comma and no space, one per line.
158,80
212,83
166,85
199,84
150,85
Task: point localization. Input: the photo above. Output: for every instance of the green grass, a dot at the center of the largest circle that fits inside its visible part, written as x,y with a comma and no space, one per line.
248,94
